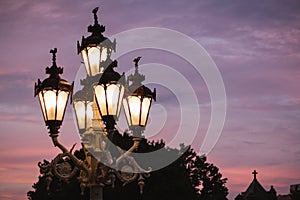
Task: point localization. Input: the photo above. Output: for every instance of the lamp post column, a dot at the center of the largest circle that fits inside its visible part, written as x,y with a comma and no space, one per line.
96,189
96,192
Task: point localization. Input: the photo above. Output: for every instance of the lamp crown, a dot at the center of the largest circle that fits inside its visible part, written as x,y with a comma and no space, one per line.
54,71
110,74
96,29
137,87
95,10
136,61
96,36
136,78
53,51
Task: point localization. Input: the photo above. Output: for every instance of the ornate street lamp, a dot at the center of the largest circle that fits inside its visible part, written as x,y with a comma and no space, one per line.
102,94
96,49
137,102
53,95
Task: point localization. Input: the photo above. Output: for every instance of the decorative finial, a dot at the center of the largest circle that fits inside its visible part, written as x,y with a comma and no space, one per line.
136,61
96,29
254,173
136,78
95,15
54,71
53,51
136,64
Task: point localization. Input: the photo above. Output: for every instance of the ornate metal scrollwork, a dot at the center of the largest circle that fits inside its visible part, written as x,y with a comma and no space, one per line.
46,171
63,167
130,169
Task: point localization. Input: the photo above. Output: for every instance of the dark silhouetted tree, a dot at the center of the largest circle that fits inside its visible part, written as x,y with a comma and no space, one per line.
190,177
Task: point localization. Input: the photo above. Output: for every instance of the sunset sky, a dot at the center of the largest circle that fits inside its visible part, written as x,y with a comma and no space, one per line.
255,44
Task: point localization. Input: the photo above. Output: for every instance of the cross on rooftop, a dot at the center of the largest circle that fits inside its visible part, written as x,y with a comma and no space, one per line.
254,173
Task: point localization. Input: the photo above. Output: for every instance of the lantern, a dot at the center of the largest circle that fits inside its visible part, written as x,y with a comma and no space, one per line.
96,49
137,102
83,107
53,95
109,94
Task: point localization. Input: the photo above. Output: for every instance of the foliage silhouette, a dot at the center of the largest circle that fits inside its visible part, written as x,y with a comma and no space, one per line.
189,177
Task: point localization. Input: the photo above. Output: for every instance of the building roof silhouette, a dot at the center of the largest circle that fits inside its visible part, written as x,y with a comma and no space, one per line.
256,191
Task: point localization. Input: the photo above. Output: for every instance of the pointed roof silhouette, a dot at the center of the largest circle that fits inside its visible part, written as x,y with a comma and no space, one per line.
256,191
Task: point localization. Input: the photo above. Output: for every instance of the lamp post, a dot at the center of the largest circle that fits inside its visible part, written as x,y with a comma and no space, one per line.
99,101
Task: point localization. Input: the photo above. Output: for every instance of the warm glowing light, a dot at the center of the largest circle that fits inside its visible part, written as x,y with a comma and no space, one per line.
50,104
109,98
101,99
53,104
84,114
136,109
145,110
92,56
80,114
104,54
62,100
113,93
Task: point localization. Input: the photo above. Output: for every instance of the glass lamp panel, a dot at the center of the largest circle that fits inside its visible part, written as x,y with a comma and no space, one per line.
101,99
134,107
104,54
50,103
145,110
62,99
120,99
86,62
89,114
42,105
80,114
108,52
94,58
113,94
126,110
